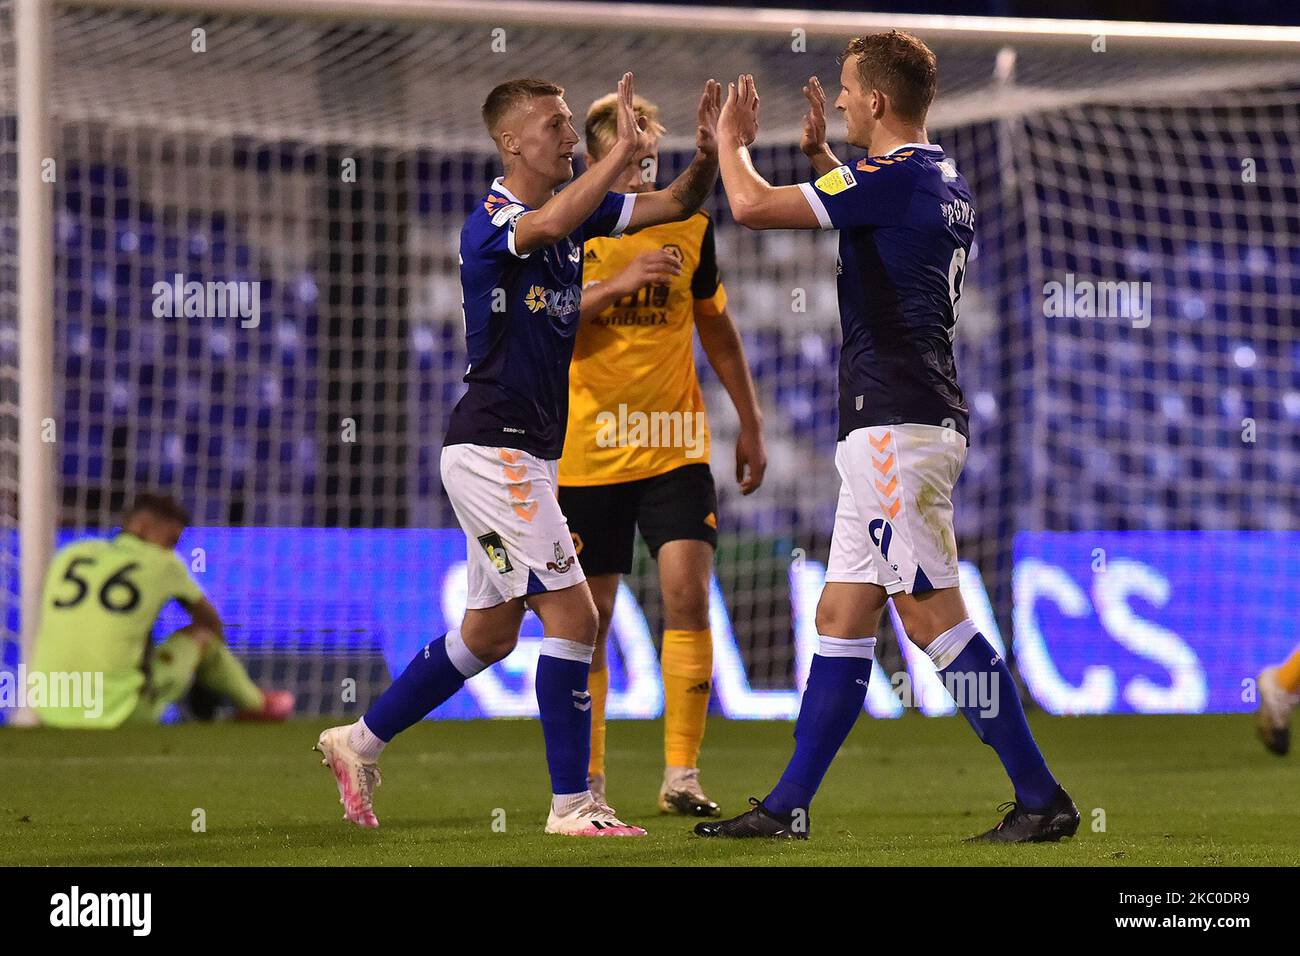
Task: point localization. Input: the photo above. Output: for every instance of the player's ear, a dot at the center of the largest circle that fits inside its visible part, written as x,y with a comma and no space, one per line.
879,104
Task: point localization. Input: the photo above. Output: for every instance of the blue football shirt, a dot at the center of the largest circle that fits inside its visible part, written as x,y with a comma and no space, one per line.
906,222
521,317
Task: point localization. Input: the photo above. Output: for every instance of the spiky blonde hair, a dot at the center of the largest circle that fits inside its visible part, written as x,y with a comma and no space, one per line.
601,127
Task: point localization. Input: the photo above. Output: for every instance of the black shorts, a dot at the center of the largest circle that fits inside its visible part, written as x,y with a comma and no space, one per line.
679,505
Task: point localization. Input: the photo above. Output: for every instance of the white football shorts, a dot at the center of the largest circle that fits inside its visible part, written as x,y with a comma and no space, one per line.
893,523
517,538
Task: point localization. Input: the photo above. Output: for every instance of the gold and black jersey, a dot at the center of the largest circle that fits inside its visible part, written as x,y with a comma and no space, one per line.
635,407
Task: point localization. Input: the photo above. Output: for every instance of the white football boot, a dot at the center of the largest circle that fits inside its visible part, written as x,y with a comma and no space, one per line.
357,778
590,819
1273,716
681,793
596,784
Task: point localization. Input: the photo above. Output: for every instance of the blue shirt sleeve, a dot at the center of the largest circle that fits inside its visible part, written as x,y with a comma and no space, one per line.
611,216
492,234
871,193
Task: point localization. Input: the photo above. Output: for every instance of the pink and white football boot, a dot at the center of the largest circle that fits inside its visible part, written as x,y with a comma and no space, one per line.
590,819
357,778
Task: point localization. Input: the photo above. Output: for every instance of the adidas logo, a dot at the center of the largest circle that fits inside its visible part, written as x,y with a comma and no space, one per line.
701,688
591,256
582,700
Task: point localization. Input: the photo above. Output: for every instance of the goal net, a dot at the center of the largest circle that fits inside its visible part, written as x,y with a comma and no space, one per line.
309,164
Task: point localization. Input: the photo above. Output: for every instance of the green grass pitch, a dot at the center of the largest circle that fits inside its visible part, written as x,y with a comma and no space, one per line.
1195,791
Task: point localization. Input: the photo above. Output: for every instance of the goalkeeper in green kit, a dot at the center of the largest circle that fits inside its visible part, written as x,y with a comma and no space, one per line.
98,607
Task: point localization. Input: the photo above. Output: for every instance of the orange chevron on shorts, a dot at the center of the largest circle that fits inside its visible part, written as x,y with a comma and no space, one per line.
885,466
522,491
527,511
888,490
879,445
508,456
515,474
892,510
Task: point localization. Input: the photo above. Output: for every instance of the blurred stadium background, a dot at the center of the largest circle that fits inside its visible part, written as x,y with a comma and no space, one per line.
1132,479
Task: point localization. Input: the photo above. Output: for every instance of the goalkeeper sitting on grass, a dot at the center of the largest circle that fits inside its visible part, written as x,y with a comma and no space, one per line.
98,608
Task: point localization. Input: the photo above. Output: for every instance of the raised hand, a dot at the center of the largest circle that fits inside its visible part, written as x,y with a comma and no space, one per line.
813,140
706,132
632,130
739,118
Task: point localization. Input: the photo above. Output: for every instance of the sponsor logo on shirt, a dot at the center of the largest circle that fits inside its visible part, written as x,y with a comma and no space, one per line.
496,552
556,304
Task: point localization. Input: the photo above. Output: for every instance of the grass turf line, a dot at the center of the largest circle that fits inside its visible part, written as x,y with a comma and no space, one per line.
1194,790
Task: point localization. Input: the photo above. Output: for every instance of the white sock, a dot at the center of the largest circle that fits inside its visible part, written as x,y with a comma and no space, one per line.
364,742
565,803
945,648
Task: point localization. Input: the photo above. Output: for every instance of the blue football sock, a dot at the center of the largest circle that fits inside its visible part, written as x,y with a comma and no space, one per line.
434,674
987,696
565,710
832,700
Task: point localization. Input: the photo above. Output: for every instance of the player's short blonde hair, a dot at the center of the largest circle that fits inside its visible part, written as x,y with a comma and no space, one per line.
506,96
602,122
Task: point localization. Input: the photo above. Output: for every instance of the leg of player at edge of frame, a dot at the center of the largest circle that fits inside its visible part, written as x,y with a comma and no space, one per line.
937,622
1278,687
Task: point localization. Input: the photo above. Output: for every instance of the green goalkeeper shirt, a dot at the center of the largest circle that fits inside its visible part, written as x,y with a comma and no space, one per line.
98,607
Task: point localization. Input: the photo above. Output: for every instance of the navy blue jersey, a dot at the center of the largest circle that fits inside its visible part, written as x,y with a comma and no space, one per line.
521,316
906,224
